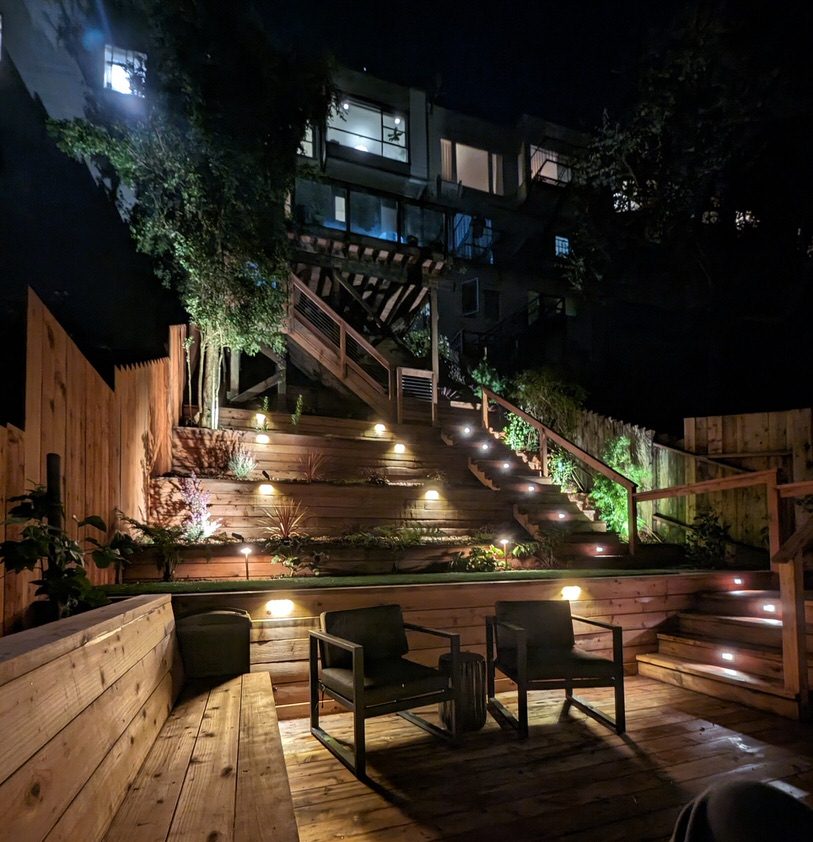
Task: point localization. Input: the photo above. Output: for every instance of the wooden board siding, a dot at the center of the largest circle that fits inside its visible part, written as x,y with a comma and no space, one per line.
110,441
82,701
640,604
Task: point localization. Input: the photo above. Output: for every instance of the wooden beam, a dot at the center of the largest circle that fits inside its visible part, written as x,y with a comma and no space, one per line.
722,484
257,389
387,271
794,643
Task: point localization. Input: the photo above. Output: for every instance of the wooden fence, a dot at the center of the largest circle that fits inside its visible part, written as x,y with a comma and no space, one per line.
110,440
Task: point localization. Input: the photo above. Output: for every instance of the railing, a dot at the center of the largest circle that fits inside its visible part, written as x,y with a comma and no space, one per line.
588,459
418,384
352,352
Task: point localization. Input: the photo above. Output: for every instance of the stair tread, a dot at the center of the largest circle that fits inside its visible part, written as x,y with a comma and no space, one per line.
734,619
726,675
708,642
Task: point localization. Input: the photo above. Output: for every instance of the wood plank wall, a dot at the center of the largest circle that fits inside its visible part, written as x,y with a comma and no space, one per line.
640,604
110,441
81,703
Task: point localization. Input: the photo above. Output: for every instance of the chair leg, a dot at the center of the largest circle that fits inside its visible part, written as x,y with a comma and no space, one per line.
359,748
620,706
522,709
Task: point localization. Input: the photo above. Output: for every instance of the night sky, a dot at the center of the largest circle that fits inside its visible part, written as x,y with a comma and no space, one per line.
564,61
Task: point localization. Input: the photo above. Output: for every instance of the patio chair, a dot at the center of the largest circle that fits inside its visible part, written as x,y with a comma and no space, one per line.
363,669
535,648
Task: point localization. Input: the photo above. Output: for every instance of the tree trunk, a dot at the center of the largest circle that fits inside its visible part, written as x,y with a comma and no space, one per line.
211,354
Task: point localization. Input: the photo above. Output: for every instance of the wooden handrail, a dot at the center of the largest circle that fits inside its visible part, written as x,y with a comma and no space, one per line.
709,485
582,455
796,489
702,457
369,349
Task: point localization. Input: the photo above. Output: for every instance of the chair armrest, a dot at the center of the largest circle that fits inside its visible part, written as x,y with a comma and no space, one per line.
341,642
618,640
591,622
436,632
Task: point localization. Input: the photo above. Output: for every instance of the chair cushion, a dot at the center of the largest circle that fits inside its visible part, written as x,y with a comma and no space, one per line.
380,630
547,623
557,663
387,681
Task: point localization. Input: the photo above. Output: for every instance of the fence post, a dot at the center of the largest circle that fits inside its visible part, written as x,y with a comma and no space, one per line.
794,639
342,349
774,520
484,409
632,518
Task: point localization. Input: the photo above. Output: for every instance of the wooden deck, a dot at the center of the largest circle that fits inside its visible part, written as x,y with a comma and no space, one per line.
571,780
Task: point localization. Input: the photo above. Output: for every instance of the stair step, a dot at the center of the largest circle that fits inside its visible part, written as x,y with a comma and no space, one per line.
746,603
719,682
757,631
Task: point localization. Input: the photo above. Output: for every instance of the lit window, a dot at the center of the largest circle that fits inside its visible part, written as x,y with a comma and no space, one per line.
306,146
549,165
124,70
471,167
339,209
745,220
561,246
470,297
365,128
472,238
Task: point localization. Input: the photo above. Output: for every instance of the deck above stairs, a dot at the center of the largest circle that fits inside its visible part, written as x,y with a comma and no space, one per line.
729,645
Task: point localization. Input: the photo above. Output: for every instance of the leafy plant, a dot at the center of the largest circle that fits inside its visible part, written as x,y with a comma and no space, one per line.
519,435
264,410
480,560
419,341
562,468
707,539
165,539
198,525
551,398
374,476
61,559
242,462
312,464
610,498
297,413
284,519
486,375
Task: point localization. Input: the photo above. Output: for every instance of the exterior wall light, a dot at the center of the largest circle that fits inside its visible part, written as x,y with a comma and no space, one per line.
279,607
571,592
259,419
262,438
265,488
400,448
431,494
380,429
769,608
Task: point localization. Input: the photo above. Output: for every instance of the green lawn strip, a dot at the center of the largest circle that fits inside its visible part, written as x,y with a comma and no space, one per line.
289,583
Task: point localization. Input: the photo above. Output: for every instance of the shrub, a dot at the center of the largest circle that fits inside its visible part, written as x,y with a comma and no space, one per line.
242,463
520,435
549,397
707,539
610,498
198,526
480,560
284,519
312,464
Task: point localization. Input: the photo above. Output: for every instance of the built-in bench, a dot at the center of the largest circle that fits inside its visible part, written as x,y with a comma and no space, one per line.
93,745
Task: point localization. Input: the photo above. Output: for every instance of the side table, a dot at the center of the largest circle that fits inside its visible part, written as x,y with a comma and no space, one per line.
471,709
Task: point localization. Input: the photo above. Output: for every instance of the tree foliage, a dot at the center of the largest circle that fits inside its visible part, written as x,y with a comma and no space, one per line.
208,162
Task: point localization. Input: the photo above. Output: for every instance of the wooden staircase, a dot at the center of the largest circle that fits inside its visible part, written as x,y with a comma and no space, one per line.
729,646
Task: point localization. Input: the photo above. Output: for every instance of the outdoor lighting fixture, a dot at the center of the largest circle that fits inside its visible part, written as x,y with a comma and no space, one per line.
246,551
561,515
380,429
485,446
727,656
531,488
346,106
466,431
769,608
400,448
397,121
259,419
431,494
599,548
504,542
262,438
506,465
265,488
571,592
279,607
738,581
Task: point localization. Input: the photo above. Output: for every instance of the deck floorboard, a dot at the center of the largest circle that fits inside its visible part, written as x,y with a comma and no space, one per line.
573,779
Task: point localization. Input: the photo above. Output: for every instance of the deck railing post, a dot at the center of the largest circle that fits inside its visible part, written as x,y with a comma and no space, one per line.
632,519
543,454
484,410
794,640
399,396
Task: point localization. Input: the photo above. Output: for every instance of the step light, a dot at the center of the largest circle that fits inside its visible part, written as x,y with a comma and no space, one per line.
571,592
380,429
279,607
506,466
599,548
769,608
265,488
485,446
262,438
400,448
259,419
561,515
738,581
431,494
727,656
466,431
531,488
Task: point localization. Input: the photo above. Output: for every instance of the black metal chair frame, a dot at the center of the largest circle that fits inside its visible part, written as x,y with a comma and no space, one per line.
520,722
355,758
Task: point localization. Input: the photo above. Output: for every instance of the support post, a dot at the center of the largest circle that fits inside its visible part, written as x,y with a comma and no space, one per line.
433,309
484,409
632,518
234,374
794,642
543,454
774,517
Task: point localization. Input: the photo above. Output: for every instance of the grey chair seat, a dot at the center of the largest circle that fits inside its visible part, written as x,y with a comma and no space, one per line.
387,681
557,664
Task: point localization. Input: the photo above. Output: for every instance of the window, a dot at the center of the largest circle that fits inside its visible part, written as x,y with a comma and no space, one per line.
470,297
472,238
316,203
373,216
561,246
549,165
306,146
471,167
423,227
366,128
124,70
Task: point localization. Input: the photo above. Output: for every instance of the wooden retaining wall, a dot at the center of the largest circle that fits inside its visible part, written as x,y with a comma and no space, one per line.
111,440
641,604
81,703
